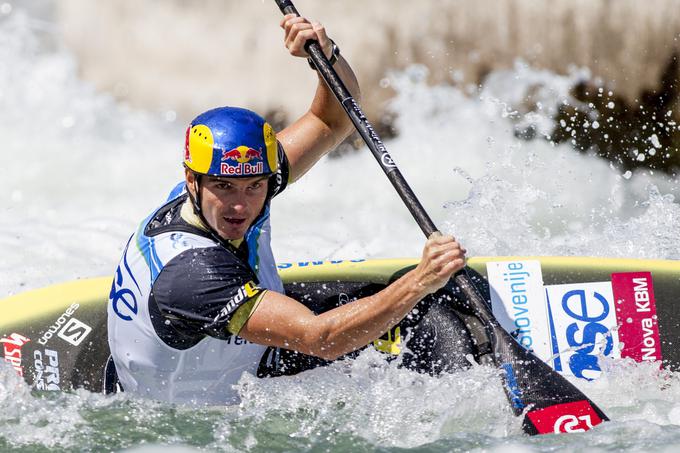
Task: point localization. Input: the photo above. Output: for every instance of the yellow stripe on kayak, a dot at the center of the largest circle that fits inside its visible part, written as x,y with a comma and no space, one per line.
53,299
23,307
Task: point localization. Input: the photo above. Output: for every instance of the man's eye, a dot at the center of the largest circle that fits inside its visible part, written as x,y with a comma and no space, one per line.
256,185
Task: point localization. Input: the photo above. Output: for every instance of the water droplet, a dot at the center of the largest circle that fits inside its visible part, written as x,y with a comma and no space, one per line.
68,122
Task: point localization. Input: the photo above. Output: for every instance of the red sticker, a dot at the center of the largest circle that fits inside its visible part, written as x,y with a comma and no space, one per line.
12,350
575,417
636,316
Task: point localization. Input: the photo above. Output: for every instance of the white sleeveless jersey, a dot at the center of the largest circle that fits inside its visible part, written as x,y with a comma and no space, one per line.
204,373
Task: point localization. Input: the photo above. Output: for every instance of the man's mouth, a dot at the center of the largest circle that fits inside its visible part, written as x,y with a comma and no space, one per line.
234,220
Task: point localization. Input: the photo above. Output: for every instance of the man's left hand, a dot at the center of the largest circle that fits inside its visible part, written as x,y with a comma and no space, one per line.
299,30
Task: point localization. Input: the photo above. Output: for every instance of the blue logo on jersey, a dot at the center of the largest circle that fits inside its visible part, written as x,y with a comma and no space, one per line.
123,300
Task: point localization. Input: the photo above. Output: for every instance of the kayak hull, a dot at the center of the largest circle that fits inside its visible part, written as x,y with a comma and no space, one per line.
56,337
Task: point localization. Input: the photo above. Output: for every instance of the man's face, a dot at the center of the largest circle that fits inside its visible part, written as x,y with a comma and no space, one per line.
230,205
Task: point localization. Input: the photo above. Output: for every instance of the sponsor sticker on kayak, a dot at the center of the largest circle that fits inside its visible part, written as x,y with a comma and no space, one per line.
74,332
571,326
518,302
46,374
574,417
12,351
316,263
636,313
583,327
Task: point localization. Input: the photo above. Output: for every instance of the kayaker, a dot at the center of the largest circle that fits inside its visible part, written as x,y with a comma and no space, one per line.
196,299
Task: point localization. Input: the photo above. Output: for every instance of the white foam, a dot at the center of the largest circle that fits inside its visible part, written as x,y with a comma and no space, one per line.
79,171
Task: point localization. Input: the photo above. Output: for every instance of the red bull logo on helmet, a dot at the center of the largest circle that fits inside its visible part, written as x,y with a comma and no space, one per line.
242,161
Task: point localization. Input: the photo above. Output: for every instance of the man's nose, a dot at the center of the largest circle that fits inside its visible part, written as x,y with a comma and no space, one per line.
238,203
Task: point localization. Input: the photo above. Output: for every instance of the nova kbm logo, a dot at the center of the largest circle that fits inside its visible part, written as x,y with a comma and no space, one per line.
583,324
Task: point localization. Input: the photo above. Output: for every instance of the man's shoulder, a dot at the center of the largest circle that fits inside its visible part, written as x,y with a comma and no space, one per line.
198,291
196,257
168,218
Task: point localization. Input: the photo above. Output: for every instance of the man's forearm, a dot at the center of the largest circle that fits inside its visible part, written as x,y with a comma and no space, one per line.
354,325
326,107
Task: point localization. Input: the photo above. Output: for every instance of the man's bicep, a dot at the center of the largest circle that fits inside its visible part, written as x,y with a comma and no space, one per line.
305,142
280,321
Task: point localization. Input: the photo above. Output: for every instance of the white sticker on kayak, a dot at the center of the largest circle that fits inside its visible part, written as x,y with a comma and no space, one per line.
518,302
583,322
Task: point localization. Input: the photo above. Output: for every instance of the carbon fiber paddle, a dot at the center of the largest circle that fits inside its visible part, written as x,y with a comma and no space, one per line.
547,400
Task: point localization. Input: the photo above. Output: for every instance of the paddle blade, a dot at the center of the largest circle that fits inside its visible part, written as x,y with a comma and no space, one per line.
549,402
554,404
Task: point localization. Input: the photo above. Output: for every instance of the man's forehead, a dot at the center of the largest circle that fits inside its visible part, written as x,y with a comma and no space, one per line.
248,180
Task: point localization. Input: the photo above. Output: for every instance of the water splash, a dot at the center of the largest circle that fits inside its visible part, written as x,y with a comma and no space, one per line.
84,169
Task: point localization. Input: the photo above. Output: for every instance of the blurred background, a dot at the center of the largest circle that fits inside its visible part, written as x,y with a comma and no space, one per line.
525,127
186,55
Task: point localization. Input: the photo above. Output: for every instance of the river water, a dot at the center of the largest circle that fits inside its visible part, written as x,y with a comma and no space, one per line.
80,169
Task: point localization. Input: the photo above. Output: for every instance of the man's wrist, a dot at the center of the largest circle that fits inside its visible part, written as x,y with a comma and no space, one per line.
335,54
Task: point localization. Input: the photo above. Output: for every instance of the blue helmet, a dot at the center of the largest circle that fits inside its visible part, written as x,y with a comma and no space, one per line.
231,142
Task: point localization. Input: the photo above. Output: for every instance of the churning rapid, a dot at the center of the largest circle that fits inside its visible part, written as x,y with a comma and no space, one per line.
80,169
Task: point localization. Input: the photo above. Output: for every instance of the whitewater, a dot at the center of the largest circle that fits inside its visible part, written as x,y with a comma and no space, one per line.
81,169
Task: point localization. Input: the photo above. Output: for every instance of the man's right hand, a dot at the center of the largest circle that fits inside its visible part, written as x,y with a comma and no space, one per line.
442,257
281,321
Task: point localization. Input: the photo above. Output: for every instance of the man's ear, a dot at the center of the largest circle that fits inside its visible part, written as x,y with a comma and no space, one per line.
190,178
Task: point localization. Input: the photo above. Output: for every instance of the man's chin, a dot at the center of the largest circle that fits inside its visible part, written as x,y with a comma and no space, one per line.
232,234
231,237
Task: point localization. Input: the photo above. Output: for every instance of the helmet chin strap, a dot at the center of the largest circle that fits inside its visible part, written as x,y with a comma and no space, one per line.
196,201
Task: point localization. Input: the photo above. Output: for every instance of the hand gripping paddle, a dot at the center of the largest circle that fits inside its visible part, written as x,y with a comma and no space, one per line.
549,403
